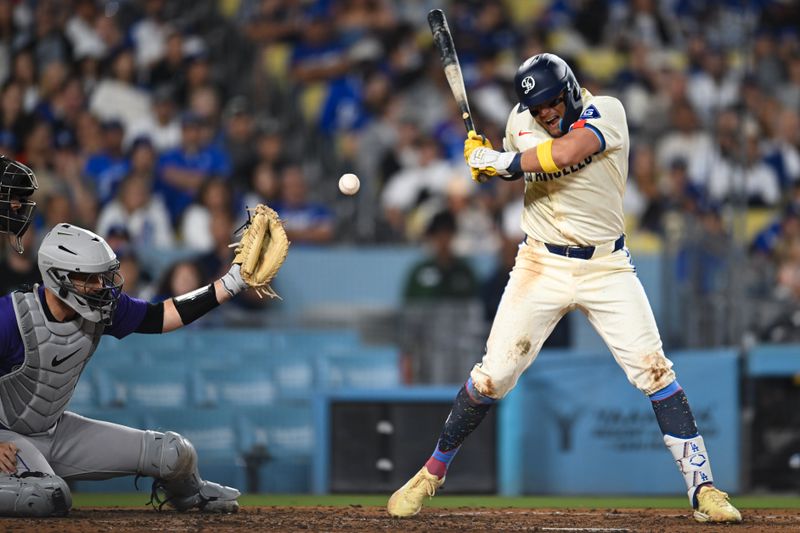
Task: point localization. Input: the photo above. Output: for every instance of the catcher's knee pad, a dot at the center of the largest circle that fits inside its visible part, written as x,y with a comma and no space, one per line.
167,456
34,494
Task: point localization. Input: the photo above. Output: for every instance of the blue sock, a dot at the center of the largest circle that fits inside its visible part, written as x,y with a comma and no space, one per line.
673,412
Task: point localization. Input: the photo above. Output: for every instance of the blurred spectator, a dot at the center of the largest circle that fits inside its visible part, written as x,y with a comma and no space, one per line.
136,283
783,150
409,187
162,125
217,260
140,212
56,207
305,221
239,138
150,34
265,186
14,120
183,170
116,95
107,168
23,72
476,232
171,69
643,199
80,30
270,145
684,140
17,270
180,278
715,87
442,275
213,200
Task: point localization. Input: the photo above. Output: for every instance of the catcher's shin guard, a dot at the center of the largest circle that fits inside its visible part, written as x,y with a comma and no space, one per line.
34,494
172,460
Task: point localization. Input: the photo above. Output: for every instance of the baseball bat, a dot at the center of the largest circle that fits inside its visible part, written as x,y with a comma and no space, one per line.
443,40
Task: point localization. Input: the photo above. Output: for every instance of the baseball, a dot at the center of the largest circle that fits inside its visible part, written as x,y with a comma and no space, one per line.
349,184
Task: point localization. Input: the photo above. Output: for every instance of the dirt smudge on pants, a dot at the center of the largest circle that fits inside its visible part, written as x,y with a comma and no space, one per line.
519,351
659,371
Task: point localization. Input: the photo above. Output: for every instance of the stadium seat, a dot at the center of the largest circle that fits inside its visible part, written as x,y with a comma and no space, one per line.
366,367
236,386
285,429
314,340
154,386
293,374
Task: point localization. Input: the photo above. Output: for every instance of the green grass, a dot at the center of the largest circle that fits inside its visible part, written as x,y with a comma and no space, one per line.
582,502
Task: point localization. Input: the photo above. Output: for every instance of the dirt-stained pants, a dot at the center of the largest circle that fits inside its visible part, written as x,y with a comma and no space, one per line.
543,287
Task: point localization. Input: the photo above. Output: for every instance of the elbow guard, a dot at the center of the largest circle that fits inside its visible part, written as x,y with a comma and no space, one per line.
193,305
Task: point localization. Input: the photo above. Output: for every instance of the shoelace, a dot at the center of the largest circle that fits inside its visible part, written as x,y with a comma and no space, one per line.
718,497
429,486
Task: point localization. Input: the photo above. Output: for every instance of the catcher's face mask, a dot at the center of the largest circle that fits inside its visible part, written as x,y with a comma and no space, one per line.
17,184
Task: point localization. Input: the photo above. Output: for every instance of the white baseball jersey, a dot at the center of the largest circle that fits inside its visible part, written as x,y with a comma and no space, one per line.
580,205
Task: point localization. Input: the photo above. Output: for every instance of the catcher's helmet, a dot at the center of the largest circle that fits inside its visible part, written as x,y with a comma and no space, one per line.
69,253
541,78
17,184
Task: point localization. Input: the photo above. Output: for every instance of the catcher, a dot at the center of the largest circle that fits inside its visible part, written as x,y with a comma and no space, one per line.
47,336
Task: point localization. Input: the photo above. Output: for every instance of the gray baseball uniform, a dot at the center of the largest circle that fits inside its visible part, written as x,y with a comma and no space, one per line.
41,361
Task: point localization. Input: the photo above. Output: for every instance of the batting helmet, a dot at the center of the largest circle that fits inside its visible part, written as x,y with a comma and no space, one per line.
541,78
67,250
17,184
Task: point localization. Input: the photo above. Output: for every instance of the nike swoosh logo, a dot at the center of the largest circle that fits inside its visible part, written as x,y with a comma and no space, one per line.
521,133
56,361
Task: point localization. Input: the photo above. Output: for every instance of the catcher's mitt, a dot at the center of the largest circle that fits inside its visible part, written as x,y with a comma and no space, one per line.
262,250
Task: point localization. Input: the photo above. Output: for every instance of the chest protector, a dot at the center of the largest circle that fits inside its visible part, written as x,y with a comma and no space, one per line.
34,396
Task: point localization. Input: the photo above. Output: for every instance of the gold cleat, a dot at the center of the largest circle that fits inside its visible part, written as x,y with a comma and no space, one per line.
713,506
408,499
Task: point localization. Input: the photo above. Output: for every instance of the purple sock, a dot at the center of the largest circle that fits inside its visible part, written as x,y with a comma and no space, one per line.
440,461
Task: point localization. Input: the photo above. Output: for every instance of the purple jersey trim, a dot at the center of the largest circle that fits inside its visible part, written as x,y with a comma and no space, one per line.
127,317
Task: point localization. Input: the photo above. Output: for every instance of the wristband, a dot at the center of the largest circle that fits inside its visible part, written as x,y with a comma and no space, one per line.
515,166
232,281
544,153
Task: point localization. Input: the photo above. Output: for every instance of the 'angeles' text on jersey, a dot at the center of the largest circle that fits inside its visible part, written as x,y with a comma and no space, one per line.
546,176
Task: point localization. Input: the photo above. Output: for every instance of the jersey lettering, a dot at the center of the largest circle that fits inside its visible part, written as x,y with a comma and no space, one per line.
549,176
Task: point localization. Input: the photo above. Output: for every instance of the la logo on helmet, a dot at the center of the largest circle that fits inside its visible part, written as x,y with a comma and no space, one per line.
528,83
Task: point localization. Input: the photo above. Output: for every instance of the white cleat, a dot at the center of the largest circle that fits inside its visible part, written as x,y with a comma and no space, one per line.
408,499
713,506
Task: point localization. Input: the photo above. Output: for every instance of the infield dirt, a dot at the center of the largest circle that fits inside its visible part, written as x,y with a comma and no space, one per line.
356,518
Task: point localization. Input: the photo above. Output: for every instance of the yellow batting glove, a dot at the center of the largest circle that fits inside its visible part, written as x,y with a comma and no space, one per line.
473,141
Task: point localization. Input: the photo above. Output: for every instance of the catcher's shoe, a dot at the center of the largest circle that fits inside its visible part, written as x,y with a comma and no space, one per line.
211,498
713,506
408,499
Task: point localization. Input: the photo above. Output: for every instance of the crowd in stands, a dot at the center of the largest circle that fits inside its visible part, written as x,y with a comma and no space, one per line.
156,122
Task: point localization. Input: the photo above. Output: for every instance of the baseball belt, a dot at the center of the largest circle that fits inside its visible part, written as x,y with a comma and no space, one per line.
586,252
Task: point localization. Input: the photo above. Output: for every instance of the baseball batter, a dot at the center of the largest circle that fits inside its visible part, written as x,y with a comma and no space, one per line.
47,336
572,149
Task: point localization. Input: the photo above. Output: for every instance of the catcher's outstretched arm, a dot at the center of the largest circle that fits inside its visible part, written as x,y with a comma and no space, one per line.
187,308
176,312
